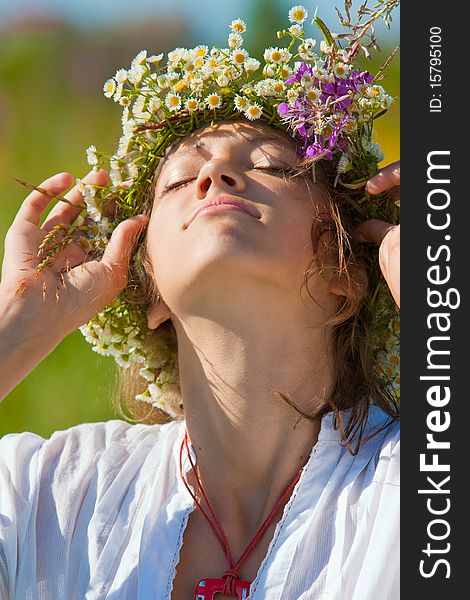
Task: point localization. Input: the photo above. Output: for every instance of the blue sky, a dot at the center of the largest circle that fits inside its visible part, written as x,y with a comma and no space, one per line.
200,14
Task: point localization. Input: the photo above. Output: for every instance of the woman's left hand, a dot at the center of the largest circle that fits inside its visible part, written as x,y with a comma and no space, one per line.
385,235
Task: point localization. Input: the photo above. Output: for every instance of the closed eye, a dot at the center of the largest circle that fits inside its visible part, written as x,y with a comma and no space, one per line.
177,184
275,170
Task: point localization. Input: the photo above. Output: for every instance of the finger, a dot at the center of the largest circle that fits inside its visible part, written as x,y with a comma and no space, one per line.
64,213
372,230
386,178
70,257
119,249
35,203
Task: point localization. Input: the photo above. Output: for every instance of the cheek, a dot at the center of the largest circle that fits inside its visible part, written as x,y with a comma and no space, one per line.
161,241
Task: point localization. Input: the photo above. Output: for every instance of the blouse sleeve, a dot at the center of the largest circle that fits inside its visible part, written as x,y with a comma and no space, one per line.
43,487
18,496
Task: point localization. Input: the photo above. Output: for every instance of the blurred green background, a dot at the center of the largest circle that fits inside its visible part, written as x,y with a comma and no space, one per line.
53,63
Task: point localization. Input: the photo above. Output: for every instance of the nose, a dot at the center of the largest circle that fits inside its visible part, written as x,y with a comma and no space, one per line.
219,175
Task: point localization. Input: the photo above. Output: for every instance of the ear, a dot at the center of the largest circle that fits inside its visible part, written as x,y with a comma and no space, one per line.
341,285
157,314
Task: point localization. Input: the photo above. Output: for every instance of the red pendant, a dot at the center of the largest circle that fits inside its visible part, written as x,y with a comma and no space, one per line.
206,588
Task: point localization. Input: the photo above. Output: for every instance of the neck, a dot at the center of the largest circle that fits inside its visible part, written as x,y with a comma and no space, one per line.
250,443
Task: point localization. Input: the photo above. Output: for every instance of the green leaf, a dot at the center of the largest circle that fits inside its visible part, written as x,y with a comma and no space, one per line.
325,31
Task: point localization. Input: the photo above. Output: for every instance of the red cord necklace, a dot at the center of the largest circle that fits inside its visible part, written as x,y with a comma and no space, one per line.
229,583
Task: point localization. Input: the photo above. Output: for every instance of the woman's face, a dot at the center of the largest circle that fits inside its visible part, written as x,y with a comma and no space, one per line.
264,240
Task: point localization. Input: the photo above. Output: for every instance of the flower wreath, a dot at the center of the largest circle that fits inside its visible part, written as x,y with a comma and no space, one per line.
323,99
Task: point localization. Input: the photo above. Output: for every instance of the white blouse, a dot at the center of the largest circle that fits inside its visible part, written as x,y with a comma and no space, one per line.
99,511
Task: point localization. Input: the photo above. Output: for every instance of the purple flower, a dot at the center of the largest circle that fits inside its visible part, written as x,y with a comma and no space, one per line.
301,128
333,139
316,150
336,89
283,109
338,92
358,79
297,76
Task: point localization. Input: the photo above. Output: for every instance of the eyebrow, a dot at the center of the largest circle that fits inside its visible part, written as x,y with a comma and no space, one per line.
251,138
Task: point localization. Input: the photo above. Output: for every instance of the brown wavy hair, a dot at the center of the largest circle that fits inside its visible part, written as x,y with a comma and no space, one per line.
356,385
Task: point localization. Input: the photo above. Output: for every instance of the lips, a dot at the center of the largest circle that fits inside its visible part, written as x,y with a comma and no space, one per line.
229,200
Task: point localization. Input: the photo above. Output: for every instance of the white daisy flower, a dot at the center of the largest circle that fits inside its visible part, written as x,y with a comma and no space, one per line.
277,55
241,102
173,79
144,398
91,156
298,14
197,85
204,73
91,206
264,87
162,81
201,51
231,72
122,360
306,81
386,101
313,94
109,88
118,92
328,77
238,26
124,101
222,81
136,73
115,173
191,66
251,65
173,102
318,72
235,40
101,349
239,56
132,170
176,56
213,100
376,92
128,126
191,104
121,76
124,145
269,70
154,104
341,70
286,70
147,374
325,48
140,58
155,58
295,30
306,49
279,87
138,109
344,164
253,112
178,86
292,95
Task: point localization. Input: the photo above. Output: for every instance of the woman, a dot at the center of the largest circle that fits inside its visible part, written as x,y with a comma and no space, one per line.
103,510
235,345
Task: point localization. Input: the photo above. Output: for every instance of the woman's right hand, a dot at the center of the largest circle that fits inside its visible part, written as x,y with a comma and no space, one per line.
61,299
